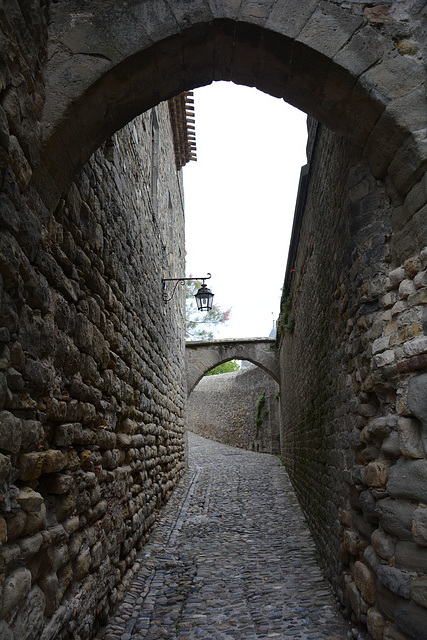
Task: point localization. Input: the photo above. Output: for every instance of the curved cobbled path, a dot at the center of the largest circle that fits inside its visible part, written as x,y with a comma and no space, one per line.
230,559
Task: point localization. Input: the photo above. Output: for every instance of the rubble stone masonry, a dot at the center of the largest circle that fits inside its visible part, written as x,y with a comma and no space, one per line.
92,371
353,334
91,417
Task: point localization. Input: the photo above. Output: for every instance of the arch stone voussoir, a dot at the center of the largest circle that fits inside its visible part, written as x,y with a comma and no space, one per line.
109,61
201,357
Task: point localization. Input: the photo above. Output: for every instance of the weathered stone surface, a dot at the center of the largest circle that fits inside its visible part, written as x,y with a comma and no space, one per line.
81,565
10,432
376,623
30,465
410,438
417,404
419,591
29,500
408,480
383,544
3,530
419,525
395,580
29,621
376,473
411,557
396,517
5,631
364,579
411,619
16,587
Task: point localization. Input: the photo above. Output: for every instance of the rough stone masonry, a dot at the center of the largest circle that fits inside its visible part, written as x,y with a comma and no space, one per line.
91,369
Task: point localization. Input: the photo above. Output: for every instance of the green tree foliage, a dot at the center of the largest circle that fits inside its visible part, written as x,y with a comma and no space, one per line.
200,325
225,367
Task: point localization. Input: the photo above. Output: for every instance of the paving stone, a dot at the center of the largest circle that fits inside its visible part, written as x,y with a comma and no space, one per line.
232,559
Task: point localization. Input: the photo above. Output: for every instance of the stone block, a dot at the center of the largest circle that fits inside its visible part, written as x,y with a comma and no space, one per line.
376,623
6,632
53,461
380,344
408,480
81,565
64,435
353,597
30,500
10,432
64,506
376,473
58,483
390,446
351,541
30,465
56,410
385,358
32,434
35,521
364,579
411,557
396,277
395,580
396,517
416,346
411,619
368,504
15,524
49,584
410,438
420,297
19,163
5,467
406,289
383,544
391,632
419,525
420,280
419,591
328,32
16,587
417,402
371,558
3,530
29,620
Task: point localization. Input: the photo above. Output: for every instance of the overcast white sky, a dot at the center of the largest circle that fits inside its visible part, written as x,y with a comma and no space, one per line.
240,199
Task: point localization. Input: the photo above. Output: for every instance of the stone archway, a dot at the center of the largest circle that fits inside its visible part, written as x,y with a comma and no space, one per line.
107,64
358,70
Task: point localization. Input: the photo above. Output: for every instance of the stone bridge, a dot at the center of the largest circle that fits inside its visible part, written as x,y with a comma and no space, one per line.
201,357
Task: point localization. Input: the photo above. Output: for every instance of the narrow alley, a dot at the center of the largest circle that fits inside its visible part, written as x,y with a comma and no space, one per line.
230,558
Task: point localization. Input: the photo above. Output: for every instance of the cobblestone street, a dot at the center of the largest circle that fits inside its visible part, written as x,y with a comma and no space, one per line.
230,558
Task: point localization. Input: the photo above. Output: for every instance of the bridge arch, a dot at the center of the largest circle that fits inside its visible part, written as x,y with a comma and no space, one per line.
109,61
201,357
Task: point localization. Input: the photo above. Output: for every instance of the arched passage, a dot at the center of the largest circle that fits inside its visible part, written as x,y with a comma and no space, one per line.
201,357
239,408
108,64
358,72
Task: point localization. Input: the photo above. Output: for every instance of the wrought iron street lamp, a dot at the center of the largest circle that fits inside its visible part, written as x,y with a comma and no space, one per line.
204,296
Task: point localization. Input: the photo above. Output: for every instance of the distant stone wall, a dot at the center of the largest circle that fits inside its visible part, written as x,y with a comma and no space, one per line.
224,408
91,419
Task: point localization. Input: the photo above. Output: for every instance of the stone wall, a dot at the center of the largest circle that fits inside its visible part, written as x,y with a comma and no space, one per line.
91,419
240,408
353,333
